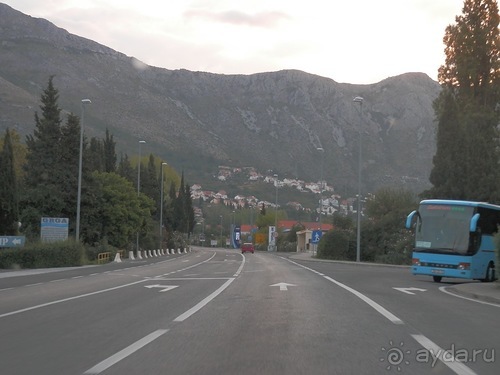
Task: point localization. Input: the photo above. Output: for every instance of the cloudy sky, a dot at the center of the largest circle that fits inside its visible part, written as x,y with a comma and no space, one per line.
362,41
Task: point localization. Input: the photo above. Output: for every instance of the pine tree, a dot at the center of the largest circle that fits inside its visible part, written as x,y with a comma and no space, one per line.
43,169
69,161
42,162
9,210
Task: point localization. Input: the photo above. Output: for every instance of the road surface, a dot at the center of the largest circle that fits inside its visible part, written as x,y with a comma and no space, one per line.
216,311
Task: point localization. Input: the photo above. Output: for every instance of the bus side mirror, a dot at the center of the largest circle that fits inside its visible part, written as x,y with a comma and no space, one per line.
473,223
409,219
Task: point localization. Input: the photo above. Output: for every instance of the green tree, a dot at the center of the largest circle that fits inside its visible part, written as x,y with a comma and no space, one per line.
120,210
125,169
96,155
466,160
9,208
109,157
472,49
384,237
43,170
150,180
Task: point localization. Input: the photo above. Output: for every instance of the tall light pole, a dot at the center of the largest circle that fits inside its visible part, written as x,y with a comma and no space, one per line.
276,213
80,162
161,206
359,99
320,149
221,244
139,186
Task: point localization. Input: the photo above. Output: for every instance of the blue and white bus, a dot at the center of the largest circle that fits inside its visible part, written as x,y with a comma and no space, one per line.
454,239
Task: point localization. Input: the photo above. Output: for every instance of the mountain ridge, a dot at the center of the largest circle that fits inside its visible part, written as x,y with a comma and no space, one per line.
198,120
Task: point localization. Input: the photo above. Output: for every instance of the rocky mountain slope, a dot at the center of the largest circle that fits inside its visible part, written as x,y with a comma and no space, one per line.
197,120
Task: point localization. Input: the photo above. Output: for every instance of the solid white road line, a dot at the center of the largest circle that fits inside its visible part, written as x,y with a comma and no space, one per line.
450,361
386,313
107,363
444,290
393,318
203,302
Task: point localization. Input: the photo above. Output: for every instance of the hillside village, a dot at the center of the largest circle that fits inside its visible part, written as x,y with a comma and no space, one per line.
330,202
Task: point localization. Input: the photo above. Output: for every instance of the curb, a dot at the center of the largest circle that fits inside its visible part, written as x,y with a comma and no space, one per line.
461,290
308,257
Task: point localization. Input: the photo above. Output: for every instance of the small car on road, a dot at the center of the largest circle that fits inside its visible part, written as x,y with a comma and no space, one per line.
247,247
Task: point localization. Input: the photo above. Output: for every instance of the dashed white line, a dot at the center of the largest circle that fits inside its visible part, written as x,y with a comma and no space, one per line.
34,284
69,299
107,363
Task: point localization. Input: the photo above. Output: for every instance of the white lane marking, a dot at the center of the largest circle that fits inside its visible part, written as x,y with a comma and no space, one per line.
202,303
410,290
241,266
69,299
107,363
34,284
187,268
445,356
444,290
283,286
386,313
164,288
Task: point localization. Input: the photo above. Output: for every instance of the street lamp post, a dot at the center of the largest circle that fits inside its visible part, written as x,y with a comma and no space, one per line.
276,213
161,206
320,149
221,244
139,187
359,99
231,230
80,162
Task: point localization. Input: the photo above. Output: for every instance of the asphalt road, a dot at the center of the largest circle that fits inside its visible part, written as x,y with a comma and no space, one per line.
216,311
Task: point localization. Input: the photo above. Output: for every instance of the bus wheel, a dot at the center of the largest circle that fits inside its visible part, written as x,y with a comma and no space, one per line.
437,279
490,274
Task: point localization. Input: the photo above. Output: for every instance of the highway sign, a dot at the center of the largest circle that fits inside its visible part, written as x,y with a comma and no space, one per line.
12,241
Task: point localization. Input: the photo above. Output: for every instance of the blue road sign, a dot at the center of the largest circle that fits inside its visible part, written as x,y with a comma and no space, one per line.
12,241
316,236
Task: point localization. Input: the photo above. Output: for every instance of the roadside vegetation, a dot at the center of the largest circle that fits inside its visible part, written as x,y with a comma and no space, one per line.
40,179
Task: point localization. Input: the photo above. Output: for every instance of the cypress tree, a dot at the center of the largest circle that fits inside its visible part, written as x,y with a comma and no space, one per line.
125,169
466,161
9,209
109,146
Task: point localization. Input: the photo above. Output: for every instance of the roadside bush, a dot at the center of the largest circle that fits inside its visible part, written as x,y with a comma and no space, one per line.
337,245
287,247
101,247
44,255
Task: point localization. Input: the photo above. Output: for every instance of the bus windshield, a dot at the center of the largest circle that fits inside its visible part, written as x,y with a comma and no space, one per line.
443,229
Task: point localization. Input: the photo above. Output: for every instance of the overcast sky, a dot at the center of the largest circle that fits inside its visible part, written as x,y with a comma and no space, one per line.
362,41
